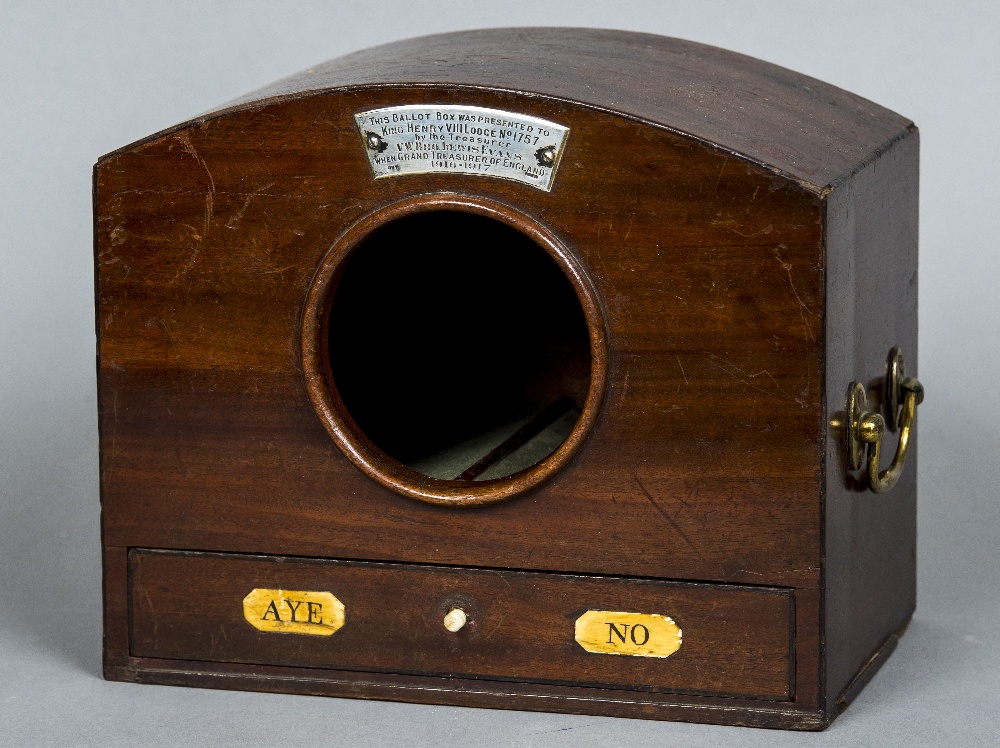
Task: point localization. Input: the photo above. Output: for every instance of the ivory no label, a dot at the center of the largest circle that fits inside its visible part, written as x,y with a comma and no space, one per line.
631,634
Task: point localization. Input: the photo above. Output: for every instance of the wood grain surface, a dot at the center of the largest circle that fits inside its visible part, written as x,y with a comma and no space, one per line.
713,309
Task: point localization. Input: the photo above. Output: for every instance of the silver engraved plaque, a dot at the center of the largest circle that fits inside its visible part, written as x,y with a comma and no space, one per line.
422,139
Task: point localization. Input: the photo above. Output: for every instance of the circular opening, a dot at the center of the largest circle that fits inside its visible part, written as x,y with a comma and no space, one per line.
457,346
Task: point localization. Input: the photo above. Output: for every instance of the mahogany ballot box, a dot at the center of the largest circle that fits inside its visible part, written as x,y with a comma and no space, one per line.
544,369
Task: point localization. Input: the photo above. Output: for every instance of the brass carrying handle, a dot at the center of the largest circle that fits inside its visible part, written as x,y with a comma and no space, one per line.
902,396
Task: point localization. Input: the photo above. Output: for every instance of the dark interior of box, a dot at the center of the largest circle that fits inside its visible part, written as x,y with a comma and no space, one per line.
458,346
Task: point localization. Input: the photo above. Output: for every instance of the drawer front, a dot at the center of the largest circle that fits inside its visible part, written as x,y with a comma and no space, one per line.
520,626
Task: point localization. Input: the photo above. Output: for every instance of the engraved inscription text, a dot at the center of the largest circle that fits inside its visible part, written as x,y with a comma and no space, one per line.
420,139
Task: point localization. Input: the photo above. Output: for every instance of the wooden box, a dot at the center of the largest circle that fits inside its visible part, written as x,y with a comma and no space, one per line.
514,368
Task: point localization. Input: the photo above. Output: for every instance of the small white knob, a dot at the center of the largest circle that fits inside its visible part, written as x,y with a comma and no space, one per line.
455,620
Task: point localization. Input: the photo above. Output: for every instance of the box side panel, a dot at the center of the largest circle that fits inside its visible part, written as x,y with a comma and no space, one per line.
870,540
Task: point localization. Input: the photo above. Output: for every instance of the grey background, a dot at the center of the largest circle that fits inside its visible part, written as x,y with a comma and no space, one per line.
80,79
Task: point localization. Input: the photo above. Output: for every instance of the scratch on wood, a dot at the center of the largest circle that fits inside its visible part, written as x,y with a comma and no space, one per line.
665,515
184,137
628,231
780,573
499,622
282,269
732,224
690,495
118,235
246,204
744,376
149,604
725,160
803,307
679,364
157,322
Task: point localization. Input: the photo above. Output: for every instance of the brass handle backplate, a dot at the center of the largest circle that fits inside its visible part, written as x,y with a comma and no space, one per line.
902,396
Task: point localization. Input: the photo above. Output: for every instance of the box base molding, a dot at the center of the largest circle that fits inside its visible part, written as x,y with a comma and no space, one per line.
870,668
466,692
492,695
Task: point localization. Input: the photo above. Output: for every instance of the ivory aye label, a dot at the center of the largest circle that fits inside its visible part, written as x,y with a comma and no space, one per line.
293,612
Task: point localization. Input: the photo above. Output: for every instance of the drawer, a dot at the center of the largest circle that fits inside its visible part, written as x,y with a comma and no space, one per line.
520,626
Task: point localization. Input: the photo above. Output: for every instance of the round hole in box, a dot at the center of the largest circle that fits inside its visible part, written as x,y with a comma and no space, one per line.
459,352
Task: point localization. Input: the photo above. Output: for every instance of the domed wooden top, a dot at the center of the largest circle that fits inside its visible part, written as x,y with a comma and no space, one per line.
798,126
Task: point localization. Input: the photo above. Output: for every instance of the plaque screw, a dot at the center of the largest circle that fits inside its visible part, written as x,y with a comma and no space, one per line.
546,156
375,142
455,620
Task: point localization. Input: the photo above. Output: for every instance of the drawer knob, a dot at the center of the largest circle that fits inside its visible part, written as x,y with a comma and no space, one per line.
455,620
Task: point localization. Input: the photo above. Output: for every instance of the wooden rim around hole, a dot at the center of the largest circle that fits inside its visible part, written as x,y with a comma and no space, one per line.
338,422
